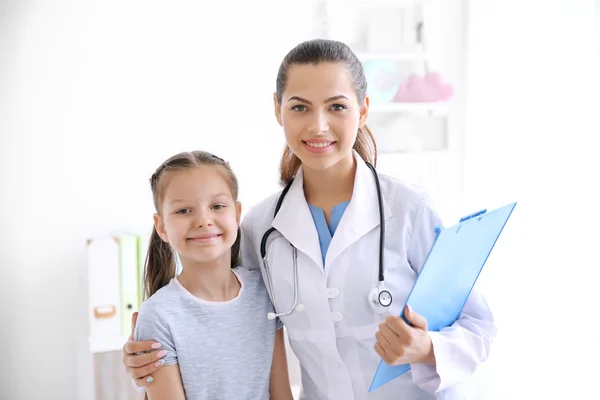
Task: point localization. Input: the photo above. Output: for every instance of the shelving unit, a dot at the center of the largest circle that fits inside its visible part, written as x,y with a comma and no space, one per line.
109,286
439,108
100,372
105,344
393,56
419,140
398,49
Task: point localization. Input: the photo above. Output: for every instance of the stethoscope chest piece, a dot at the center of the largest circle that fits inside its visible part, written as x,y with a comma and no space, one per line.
380,299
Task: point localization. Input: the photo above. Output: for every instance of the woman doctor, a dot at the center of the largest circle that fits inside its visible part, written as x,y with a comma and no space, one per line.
322,249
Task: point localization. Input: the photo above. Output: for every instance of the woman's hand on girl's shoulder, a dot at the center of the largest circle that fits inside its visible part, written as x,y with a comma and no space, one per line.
141,358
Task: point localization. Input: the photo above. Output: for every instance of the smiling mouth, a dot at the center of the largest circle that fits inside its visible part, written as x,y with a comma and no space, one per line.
205,238
319,145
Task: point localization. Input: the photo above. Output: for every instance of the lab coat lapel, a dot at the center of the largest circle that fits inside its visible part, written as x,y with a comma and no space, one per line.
294,221
361,215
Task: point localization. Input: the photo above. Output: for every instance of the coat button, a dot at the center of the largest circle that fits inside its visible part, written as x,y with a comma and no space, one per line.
333,293
337,316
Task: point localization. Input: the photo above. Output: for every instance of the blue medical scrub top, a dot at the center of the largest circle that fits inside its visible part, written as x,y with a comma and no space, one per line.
326,231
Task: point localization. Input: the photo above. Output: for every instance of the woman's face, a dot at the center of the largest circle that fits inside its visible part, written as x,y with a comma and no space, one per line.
320,113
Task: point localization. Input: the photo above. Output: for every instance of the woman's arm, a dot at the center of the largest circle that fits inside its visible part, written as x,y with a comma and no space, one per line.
168,385
280,380
460,348
141,358
166,381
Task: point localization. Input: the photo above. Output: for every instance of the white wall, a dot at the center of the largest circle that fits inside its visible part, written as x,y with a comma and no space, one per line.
93,96
532,136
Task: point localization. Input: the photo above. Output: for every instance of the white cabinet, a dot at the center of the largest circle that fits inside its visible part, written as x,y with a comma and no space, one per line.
102,376
108,279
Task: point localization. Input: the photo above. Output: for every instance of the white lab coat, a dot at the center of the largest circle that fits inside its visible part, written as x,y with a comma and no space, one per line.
333,338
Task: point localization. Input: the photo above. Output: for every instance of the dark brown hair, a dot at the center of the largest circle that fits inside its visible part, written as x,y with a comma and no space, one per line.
316,52
160,259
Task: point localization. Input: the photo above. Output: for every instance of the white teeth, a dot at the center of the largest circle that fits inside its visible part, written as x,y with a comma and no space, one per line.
318,145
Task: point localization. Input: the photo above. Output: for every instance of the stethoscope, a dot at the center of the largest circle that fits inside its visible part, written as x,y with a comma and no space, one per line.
378,297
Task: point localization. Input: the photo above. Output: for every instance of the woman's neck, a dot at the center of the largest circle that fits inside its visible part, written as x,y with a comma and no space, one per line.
334,185
215,282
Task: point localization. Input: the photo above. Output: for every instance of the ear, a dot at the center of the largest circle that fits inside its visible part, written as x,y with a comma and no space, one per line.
159,225
277,108
364,112
238,212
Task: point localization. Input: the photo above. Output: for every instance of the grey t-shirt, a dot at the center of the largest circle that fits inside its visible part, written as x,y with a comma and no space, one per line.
224,349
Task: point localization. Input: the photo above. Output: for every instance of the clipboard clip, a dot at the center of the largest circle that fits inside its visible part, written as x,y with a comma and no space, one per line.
439,228
475,214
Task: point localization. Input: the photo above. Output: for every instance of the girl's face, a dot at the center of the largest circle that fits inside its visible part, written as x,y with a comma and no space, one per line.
320,114
199,217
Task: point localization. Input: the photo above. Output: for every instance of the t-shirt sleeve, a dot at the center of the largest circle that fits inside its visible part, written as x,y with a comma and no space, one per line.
151,326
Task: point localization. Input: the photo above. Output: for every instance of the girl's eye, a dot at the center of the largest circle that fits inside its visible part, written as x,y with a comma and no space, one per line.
182,211
218,206
299,108
338,107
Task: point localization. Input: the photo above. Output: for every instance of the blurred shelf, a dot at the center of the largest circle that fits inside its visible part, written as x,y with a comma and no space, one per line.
423,155
393,3
428,169
392,56
105,344
440,108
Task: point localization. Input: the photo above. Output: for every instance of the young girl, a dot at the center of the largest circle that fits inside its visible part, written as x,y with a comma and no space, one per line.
210,320
325,254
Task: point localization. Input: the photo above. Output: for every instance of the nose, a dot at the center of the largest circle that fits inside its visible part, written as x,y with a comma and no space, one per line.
318,123
203,218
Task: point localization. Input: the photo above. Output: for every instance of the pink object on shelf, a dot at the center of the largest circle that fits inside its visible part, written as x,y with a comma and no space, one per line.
428,89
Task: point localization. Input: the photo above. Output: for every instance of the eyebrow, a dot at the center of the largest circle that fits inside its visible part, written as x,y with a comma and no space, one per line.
175,201
300,99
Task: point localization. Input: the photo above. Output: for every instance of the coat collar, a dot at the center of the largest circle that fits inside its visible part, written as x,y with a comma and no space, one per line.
294,219
361,215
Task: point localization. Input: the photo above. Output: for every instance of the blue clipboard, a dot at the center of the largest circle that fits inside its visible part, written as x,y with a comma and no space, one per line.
450,271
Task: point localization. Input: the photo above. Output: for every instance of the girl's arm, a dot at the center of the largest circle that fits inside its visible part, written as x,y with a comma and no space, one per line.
168,384
166,381
280,380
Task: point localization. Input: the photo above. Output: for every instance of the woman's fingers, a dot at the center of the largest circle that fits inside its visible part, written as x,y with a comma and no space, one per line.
147,369
140,346
145,359
143,382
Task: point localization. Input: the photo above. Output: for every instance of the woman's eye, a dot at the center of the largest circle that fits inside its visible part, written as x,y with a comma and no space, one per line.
299,108
338,107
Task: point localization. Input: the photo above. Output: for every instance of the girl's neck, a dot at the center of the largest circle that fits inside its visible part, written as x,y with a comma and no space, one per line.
210,282
334,185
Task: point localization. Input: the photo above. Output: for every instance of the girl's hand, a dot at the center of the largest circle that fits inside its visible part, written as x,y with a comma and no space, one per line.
141,366
401,343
